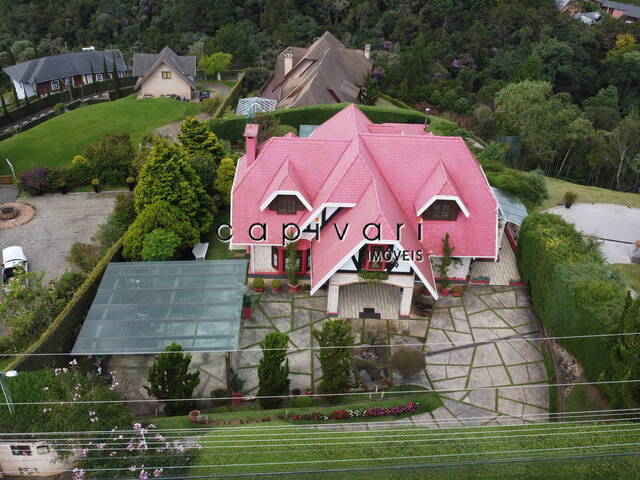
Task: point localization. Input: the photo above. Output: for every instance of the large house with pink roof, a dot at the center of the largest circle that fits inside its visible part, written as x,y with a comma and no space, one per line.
365,197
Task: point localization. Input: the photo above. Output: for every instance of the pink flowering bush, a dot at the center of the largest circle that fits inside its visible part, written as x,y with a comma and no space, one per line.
396,411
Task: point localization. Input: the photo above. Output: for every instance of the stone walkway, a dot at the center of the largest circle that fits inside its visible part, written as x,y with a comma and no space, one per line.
460,353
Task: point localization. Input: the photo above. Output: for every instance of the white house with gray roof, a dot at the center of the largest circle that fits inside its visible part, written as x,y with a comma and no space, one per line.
57,72
165,73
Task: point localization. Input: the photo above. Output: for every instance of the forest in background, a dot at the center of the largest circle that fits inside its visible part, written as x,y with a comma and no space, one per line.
570,92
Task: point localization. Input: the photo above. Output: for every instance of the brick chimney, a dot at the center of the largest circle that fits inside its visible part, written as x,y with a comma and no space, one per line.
251,140
367,51
288,60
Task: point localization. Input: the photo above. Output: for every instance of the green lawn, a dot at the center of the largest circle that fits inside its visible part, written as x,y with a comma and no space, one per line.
630,273
220,250
557,188
427,403
583,398
281,448
56,141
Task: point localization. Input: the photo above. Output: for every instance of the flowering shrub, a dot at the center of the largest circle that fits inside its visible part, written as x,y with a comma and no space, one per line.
409,407
34,181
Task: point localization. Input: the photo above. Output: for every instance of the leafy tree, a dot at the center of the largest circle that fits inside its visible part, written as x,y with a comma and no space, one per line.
224,179
624,145
625,42
408,362
335,362
240,39
167,176
273,371
159,214
198,139
205,168
122,216
159,245
110,158
169,378
215,63
299,30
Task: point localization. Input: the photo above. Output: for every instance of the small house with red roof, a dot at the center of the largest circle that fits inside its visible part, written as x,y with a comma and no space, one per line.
361,197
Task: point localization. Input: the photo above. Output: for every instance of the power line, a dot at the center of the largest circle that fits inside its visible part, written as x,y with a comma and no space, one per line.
324,395
333,347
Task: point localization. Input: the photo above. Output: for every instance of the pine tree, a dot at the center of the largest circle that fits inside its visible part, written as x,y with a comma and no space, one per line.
273,371
223,182
169,377
197,138
335,362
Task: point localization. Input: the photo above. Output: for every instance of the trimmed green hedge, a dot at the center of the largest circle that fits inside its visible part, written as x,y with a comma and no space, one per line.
232,128
61,334
572,290
231,99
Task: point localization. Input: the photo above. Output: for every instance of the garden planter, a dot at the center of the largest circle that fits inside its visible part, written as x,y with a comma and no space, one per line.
293,288
568,205
259,289
276,289
246,313
193,415
444,292
237,398
308,391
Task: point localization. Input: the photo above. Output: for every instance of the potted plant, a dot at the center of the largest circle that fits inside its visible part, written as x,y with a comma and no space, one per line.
258,285
193,415
131,183
276,285
457,290
308,391
236,383
570,198
96,185
292,267
64,188
246,307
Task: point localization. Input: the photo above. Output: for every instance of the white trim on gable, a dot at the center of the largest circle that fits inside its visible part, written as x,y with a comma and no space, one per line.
454,198
268,201
357,248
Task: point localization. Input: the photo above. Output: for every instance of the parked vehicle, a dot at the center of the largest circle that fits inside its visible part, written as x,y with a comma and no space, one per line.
203,94
13,258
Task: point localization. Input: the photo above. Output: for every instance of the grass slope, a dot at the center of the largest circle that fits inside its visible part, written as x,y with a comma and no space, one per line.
56,141
630,273
586,194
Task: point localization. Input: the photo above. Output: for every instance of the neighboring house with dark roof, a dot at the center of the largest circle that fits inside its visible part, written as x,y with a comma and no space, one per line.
347,187
165,73
54,73
620,10
326,72
589,18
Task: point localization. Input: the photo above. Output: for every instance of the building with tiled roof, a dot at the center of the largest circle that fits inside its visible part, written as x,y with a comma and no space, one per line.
365,197
326,72
165,73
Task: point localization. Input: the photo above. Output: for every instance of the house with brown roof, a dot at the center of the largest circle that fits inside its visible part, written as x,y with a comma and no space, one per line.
165,74
325,72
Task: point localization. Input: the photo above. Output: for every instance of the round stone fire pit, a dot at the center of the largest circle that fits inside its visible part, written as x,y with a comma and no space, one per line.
15,214
8,212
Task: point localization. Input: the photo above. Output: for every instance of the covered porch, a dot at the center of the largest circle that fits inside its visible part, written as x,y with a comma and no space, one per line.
351,297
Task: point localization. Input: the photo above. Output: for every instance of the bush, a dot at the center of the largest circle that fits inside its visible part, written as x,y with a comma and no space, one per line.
220,396
34,181
159,245
273,371
277,283
210,105
123,215
573,291
254,79
336,361
235,382
530,187
302,401
84,256
282,130
257,283
407,361
570,197
59,108
158,215
110,158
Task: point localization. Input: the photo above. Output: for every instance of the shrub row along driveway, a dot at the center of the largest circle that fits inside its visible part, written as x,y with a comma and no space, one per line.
60,221
459,355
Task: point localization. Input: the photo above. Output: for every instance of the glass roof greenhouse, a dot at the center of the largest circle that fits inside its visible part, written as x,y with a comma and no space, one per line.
141,307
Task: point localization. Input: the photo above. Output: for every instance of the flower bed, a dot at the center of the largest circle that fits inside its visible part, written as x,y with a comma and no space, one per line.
409,407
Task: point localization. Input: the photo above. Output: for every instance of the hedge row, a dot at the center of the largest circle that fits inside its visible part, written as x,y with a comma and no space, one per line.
231,99
49,101
61,334
232,128
572,290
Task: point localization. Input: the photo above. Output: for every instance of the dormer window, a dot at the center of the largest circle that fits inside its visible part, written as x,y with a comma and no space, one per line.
442,210
373,258
286,205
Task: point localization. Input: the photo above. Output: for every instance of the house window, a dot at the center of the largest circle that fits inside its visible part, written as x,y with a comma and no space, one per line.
275,257
68,81
99,77
121,74
166,74
280,260
442,210
55,85
286,204
42,449
110,75
88,78
373,257
21,450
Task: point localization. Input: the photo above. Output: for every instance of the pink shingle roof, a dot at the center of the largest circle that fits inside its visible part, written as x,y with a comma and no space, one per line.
380,173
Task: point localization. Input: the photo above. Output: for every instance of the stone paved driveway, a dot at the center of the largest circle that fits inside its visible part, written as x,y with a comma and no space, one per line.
484,381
